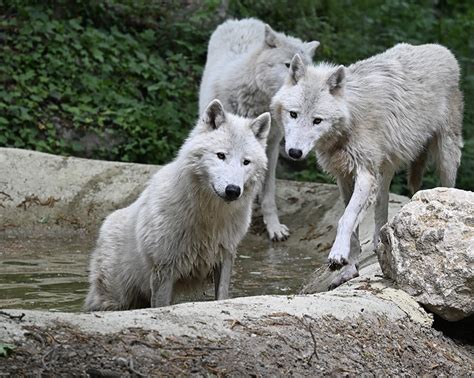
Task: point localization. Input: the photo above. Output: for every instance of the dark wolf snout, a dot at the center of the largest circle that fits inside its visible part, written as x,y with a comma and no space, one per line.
295,153
232,192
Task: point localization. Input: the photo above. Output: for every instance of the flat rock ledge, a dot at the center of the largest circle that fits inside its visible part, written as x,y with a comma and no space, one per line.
211,319
361,328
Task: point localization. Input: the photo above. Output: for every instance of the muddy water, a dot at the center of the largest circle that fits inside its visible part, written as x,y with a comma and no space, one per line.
52,274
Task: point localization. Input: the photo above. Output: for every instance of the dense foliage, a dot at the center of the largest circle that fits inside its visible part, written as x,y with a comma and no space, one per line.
119,79
118,85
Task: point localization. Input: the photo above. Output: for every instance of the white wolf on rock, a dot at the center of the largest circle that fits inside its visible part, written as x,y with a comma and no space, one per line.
365,121
247,63
188,222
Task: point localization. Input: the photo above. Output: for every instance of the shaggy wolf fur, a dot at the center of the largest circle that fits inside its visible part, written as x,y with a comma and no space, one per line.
187,223
247,63
366,120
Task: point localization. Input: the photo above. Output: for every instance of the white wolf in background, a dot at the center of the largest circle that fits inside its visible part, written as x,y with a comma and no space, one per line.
366,120
188,222
247,63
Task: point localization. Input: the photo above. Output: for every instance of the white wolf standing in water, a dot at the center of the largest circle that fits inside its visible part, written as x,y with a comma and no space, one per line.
365,120
247,63
188,222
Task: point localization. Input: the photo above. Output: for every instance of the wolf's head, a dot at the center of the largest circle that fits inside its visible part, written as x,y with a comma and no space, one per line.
227,152
274,58
311,107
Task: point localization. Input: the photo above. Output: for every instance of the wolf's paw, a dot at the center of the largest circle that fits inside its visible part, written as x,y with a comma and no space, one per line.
337,260
278,232
347,273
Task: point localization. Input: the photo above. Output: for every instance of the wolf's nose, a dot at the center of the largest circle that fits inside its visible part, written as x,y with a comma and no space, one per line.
295,154
232,192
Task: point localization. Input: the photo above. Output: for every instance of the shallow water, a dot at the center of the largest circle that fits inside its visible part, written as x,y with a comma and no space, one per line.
52,274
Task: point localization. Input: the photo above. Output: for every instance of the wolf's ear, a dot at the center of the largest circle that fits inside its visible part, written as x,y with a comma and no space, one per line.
297,69
271,39
214,115
337,80
261,126
311,47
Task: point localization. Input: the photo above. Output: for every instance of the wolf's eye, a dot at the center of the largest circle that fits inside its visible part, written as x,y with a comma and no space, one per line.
293,115
221,155
317,121
246,162
287,65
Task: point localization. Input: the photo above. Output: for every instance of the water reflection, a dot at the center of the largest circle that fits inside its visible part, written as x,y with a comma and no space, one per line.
52,274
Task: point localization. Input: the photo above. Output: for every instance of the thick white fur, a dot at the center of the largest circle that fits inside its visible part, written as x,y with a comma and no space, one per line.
393,108
181,228
246,64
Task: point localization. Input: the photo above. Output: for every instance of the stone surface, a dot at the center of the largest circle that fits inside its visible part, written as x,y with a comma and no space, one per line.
428,250
44,194
245,342
211,319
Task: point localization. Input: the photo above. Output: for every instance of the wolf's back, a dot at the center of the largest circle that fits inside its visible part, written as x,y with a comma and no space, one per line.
231,41
427,61
236,37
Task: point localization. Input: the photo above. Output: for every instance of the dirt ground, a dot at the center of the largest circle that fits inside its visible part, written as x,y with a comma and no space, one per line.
278,344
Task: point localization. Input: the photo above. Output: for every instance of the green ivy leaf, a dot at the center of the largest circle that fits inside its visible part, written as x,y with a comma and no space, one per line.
6,349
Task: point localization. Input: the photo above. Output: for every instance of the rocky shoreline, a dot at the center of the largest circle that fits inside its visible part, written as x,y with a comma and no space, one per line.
365,326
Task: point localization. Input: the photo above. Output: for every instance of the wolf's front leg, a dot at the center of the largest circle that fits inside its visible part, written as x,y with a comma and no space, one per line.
161,284
276,230
355,209
351,270
222,274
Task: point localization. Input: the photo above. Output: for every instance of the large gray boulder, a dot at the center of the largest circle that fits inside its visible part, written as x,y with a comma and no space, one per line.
428,250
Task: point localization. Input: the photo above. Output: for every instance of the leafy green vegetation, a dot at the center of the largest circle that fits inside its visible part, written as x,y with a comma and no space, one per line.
119,79
6,349
105,88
